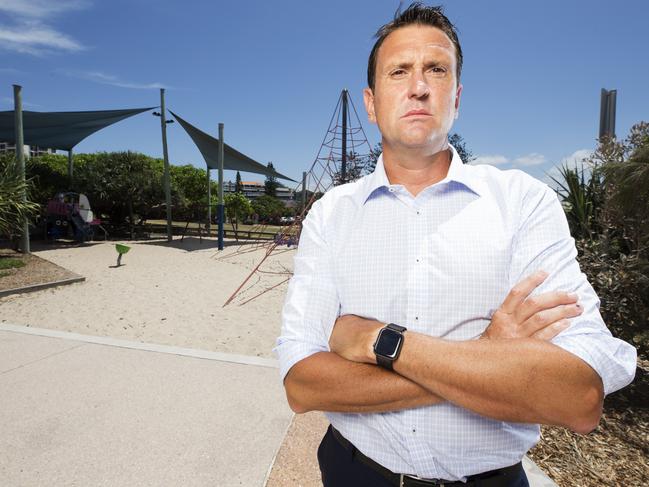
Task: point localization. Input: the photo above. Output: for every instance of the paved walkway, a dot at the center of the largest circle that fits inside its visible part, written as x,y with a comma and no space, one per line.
80,413
84,410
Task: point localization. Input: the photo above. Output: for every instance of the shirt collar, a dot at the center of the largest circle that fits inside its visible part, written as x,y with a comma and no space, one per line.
457,171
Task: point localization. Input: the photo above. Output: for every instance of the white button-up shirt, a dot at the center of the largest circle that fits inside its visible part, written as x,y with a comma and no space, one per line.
439,263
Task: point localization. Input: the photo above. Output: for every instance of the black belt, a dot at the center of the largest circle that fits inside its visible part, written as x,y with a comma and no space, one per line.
493,478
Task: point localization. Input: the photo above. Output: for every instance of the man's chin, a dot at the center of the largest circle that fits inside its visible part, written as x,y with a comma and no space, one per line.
422,143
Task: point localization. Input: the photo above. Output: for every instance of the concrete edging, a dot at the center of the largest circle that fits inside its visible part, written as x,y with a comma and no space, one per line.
40,287
147,347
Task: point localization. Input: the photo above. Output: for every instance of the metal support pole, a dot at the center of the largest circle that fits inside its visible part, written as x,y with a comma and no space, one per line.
221,207
209,202
70,169
165,155
20,157
343,166
303,190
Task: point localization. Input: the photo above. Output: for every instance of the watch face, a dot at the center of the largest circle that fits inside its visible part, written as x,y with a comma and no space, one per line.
388,343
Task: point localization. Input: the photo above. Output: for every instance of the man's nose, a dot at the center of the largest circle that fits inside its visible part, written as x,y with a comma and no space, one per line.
418,86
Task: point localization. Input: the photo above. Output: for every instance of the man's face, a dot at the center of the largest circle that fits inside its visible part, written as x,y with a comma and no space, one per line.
416,94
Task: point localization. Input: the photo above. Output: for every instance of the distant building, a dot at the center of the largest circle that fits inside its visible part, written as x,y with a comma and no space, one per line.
30,150
255,189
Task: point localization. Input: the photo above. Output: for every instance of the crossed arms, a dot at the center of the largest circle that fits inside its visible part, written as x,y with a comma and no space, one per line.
512,373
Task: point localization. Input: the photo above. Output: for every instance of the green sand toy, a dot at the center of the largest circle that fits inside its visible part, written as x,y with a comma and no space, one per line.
121,250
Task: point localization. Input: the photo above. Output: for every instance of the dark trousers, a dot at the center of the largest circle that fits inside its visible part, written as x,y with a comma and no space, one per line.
340,468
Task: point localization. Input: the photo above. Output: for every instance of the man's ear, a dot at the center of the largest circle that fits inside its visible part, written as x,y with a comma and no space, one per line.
368,98
458,95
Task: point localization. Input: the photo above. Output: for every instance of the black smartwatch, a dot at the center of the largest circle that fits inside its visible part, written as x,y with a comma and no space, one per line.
388,345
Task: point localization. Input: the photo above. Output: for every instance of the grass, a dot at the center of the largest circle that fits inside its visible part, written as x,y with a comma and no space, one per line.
10,263
242,227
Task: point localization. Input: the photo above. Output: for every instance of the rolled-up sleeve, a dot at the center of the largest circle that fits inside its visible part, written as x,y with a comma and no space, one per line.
543,242
312,305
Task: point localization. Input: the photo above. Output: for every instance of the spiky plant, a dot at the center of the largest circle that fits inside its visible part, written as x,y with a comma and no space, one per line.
14,210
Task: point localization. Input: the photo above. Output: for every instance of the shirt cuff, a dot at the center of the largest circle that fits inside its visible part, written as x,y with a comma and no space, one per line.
613,359
290,352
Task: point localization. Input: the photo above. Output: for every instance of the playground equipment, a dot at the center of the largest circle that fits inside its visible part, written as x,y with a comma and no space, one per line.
69,215
121,250
342,156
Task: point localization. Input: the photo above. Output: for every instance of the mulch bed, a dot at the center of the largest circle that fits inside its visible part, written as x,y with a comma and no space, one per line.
616,453
35,271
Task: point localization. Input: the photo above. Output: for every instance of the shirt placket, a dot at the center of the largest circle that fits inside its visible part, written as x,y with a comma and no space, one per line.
418,286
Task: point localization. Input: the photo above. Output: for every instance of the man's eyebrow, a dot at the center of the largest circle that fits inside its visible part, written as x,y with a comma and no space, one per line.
410,64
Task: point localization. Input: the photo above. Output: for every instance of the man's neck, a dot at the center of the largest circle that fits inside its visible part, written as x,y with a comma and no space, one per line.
416,170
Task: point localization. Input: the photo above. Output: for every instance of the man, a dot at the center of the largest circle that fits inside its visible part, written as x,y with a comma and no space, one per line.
437,312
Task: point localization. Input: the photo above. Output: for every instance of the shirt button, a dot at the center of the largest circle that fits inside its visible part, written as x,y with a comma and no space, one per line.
416,318
417,212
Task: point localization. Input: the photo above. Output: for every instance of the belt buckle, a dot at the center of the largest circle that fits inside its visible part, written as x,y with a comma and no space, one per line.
414,477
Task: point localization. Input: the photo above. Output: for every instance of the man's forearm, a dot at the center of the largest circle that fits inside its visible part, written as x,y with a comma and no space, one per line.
327,382
519,380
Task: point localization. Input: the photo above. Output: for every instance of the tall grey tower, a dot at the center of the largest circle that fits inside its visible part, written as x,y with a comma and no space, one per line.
607,113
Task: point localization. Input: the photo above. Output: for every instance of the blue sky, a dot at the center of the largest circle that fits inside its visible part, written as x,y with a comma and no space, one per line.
273,71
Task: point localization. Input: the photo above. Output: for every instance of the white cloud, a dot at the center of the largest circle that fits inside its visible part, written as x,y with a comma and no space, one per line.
532,159
494,160
575,160
36,38
109,79
40,9
30,34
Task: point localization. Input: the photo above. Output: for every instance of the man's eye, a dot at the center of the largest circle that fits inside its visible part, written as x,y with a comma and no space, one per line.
398,72
437,69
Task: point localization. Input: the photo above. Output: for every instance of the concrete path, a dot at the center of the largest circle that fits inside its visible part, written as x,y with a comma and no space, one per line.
79,413
80,410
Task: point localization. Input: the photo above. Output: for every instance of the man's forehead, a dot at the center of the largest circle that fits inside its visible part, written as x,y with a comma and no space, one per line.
415,39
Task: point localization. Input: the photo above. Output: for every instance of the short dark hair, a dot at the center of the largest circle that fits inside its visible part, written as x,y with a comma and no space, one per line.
416,14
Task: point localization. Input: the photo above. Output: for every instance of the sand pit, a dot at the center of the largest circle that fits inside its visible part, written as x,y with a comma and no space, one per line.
166,293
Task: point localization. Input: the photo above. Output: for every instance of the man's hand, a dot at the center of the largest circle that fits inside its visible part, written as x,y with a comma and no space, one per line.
353,338
543,316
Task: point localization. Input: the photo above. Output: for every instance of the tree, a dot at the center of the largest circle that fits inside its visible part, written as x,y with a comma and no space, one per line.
353,169
189,184
373,158
457,141
237,207
49,173
271,184
238,185
122,185
268,208
13,210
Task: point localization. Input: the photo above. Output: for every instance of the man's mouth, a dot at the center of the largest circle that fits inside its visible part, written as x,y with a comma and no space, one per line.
417,113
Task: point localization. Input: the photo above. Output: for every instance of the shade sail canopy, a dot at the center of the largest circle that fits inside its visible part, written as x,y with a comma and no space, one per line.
61,130
232,158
